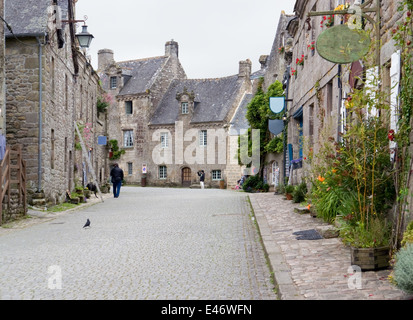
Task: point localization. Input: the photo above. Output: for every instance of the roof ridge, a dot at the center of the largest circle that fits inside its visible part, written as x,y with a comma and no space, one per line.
142,59
211,79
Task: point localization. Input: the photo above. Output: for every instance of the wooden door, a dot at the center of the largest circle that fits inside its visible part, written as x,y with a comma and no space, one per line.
186,177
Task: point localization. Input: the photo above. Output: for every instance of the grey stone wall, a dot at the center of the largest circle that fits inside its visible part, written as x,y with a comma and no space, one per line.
66,97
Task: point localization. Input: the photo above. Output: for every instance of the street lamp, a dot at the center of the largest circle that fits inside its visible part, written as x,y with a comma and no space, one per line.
84,38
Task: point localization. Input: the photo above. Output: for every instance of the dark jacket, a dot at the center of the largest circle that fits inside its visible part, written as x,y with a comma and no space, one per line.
117,174
201,176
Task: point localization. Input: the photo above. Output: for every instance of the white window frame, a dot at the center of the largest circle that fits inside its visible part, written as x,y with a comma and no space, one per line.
184,108
203,138
163,172
164,140
216,175
128,138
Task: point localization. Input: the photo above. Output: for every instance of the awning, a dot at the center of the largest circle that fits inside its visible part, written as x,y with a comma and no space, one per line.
298,113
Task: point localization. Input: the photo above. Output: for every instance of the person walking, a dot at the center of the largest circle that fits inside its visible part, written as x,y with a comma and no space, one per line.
117,176
201,175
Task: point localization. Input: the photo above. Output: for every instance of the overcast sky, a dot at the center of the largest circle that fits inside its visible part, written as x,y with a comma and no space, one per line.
213,35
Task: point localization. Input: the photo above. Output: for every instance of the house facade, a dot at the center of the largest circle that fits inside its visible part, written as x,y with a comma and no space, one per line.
2,75
50,86
275,67
317,88
190,130
164,123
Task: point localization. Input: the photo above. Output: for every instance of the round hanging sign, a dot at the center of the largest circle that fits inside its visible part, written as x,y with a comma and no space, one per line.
340,44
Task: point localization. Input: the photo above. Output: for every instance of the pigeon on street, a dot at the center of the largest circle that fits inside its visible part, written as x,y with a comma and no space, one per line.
87,224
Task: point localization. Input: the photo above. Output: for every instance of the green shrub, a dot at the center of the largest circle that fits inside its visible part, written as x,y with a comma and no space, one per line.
299,193
289,189
375,234
408,235
254,183
403,269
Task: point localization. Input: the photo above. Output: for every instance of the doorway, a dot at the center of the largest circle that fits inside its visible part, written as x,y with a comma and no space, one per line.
186,177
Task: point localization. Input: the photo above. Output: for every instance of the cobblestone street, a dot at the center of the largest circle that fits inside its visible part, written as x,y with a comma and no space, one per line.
150,243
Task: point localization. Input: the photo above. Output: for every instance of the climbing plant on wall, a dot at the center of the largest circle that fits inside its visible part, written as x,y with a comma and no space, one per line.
258,114
403,35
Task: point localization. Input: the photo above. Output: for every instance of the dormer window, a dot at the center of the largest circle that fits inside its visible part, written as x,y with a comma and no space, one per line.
184,107
186,100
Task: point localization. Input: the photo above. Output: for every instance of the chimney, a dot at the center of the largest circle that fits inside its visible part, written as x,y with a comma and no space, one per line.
245,69
263,61
105,58
171,49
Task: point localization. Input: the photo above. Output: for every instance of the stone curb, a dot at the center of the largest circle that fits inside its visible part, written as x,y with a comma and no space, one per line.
286,289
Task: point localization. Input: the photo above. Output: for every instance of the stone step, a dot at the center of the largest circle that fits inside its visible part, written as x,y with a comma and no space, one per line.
38,195
39,202
302,210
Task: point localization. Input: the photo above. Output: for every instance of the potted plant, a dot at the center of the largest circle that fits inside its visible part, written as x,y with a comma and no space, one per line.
86,192
300,61
79,190
74,198
289,189
369,245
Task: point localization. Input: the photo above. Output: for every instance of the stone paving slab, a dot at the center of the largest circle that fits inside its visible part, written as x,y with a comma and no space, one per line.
313,269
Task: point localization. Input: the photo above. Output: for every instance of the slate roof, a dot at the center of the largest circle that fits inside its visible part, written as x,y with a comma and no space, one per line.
141,72
29,16
239,121
214,98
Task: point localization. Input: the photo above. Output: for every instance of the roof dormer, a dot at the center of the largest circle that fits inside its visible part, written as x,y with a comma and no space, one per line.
186,101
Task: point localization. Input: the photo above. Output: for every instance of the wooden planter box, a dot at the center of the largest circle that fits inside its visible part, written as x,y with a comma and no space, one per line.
75,200
289,196
370,258
222,184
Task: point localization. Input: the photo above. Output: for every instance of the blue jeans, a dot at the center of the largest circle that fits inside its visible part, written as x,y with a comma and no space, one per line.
116,188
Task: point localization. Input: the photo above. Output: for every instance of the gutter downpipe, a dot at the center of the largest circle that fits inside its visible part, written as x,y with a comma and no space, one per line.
39,165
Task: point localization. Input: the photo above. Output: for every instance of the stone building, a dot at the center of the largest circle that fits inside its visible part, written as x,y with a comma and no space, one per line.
318,88
2,74
155,106
275,68
45,67
190,130
136,87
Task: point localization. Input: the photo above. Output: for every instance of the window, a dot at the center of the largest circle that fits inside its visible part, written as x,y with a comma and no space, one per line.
53,78
66,93
52,141
130,168
164,140
128,138
128,107
203,137
184,106
216,174
162,172
113,82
